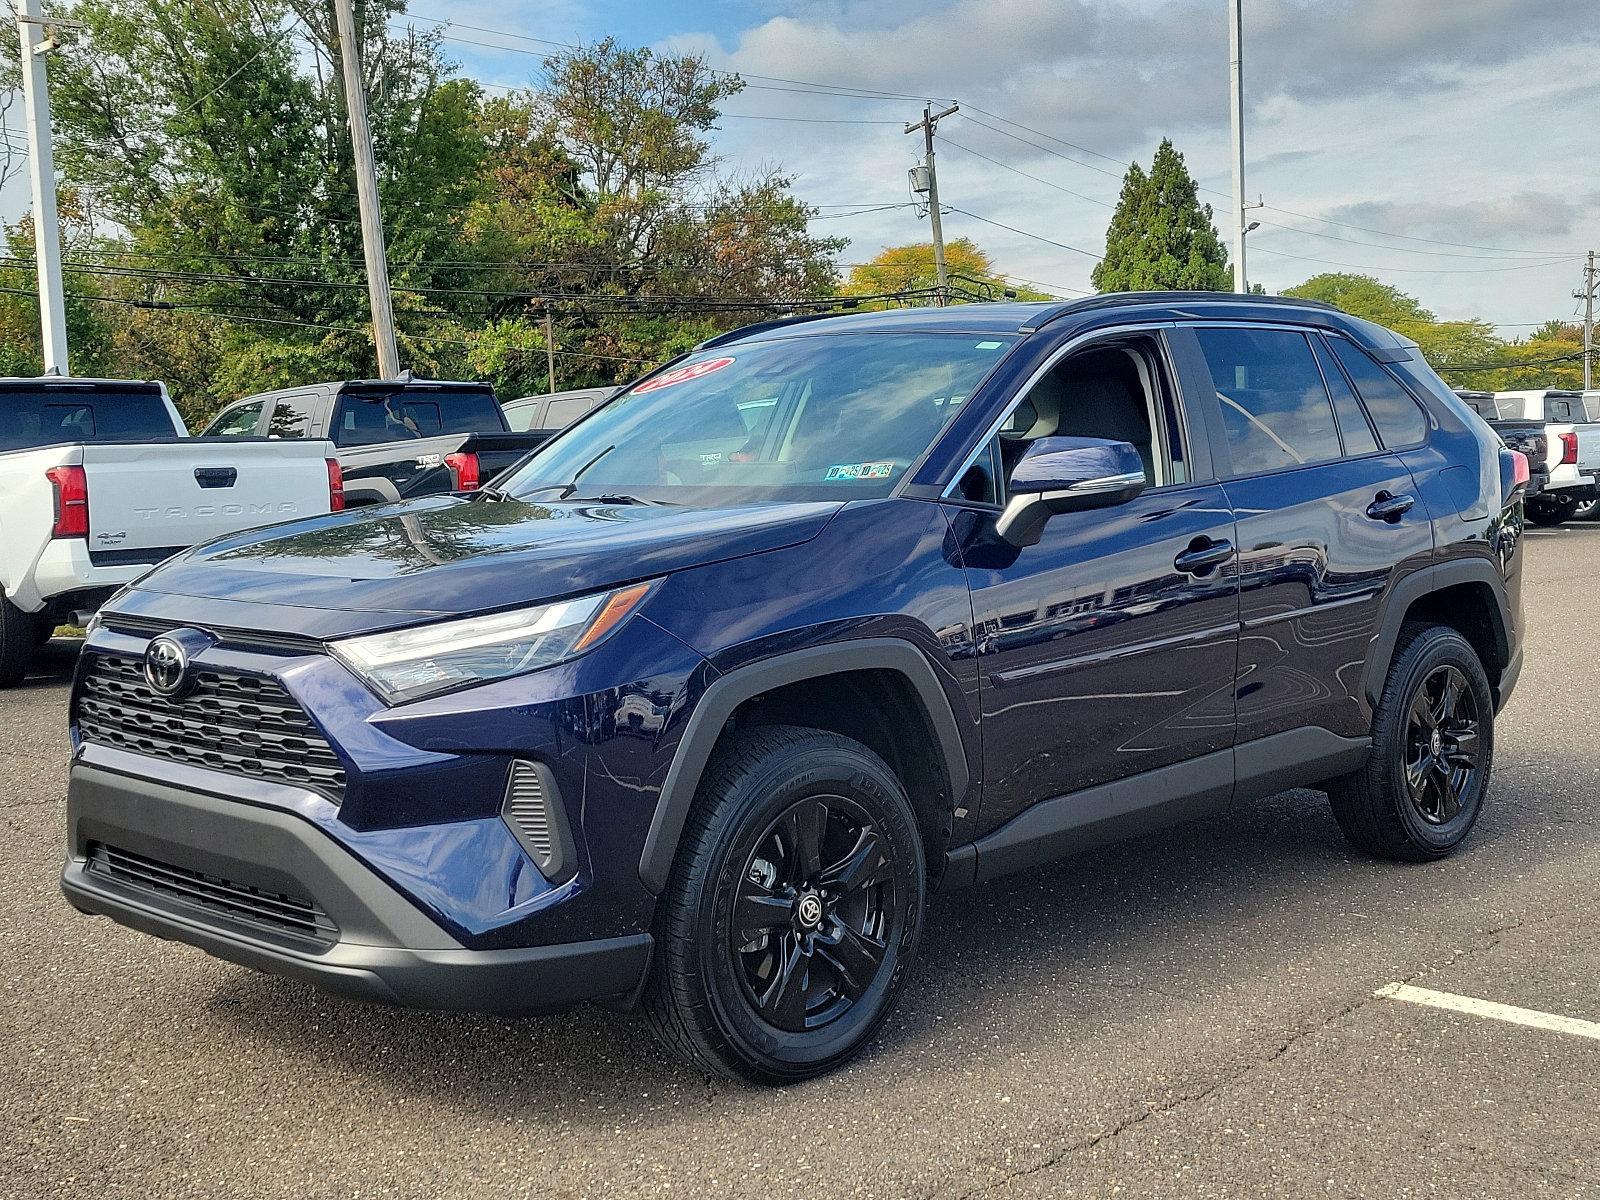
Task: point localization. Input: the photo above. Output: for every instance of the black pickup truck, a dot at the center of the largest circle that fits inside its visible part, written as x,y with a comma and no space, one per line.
1526,437
396,439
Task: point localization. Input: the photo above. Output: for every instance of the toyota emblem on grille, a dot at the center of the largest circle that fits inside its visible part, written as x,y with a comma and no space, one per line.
166,666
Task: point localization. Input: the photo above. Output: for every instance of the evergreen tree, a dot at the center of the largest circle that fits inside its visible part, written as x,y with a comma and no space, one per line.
1161,237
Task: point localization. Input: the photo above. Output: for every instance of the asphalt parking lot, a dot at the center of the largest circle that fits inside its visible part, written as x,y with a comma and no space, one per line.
1191,1014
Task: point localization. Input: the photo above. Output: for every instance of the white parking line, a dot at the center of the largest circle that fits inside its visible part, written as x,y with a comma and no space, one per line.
1488,1008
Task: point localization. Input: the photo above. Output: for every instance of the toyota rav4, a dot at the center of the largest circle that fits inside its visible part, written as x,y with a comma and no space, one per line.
693,709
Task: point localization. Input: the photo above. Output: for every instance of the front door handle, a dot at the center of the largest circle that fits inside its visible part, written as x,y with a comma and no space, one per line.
1390,508
1202,555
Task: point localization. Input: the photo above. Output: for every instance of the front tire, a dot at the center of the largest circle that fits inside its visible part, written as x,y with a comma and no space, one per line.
1550,511
1422,787
18,640
792,913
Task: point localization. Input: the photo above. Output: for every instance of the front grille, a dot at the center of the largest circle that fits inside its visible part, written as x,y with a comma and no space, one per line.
240,724
279,911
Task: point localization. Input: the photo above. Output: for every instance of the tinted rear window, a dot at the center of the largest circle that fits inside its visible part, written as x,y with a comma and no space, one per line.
54,418
365,419
1400,419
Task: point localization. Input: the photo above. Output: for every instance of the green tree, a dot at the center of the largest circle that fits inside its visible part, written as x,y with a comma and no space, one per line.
1449,345
208,138
1161,237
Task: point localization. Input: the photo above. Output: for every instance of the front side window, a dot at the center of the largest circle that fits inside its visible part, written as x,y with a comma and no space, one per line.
1115,391
1400,419
814,416
1275,408
237,422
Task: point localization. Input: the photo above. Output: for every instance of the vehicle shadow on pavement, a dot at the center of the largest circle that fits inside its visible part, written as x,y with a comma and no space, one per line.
1154,925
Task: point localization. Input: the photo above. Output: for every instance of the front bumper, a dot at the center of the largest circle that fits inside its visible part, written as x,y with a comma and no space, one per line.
223,863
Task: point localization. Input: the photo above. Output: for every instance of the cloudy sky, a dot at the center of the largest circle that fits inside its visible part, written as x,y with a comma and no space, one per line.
1446,146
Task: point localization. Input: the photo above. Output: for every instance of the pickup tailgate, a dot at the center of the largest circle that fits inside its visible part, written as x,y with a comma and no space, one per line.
170,495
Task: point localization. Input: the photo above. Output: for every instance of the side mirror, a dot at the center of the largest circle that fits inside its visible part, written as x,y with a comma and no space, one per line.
1067,474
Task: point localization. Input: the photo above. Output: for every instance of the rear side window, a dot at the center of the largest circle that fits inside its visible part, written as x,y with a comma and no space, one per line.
1354,427
520,416
1275,408
366,419
291,417
54,418
1560,410
562,413
1400,419
237,422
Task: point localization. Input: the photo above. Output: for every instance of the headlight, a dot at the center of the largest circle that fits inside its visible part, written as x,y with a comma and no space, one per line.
409,664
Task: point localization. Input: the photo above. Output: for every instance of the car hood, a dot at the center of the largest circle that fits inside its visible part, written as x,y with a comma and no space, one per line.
451,556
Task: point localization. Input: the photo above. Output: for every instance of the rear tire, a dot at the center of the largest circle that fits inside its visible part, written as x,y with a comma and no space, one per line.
792,913
1550,511
1422,787
18,634
1587,510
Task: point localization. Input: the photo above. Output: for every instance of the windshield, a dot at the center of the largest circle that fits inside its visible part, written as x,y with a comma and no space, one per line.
55,416
827,416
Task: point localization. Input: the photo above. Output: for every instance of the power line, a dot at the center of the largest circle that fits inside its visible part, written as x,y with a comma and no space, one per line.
1024,233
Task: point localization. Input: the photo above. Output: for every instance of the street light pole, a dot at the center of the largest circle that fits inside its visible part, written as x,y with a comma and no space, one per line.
42,170
1236,114
355,99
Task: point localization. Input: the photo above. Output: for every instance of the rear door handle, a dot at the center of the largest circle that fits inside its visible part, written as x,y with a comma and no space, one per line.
1202,555
1386,507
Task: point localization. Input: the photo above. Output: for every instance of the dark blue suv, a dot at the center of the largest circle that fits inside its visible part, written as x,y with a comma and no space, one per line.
693,708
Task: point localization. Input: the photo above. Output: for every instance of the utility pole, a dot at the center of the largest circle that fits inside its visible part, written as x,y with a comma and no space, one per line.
1236,113
550,345
42,168
929,123
1590,280
355,99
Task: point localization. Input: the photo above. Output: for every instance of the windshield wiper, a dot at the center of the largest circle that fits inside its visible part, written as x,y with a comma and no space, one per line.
494,494
609,498
578,474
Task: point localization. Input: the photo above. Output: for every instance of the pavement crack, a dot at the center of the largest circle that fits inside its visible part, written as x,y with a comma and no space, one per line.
1134,1120
1488,942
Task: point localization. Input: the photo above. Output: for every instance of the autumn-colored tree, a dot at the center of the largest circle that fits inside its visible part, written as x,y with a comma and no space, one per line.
911,268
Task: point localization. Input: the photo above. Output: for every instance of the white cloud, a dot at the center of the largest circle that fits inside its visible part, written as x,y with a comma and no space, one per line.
1461,121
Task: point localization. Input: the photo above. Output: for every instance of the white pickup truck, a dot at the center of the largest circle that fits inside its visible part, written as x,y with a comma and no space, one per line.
99,481
1572,437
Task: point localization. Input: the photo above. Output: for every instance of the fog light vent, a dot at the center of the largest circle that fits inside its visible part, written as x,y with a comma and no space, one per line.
534,814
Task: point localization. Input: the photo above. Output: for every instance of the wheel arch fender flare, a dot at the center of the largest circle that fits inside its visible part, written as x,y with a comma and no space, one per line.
729,691
1417,586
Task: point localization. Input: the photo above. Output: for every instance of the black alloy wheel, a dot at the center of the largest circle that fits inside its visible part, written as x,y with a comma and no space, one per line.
790,920
813,908
1443,747
1422,787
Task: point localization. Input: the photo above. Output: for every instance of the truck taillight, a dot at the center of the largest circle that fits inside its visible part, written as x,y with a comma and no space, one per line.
465,469
71,488
1569,449
335,486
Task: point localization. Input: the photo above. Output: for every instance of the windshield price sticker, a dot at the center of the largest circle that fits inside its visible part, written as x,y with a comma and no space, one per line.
683,374
853,471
